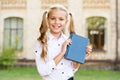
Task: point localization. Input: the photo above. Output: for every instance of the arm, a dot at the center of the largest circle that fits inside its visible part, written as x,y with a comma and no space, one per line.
44,68
76,65
58,58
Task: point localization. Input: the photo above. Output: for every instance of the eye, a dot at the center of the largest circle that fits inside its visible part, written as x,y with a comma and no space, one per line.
52,18
61,19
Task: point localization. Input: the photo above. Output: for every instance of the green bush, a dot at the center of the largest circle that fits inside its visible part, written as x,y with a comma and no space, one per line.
7,58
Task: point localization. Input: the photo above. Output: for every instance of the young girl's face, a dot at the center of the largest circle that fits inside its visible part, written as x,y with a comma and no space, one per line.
57,20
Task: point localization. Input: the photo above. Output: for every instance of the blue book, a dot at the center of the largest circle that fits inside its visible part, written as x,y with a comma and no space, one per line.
77,50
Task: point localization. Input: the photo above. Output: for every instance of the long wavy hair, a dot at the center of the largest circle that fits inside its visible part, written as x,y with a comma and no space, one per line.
44,28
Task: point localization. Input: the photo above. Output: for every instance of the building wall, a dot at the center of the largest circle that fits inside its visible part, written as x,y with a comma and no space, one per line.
104,10
31,12
119,28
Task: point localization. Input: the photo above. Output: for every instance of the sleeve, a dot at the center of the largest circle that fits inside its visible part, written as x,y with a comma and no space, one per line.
44,68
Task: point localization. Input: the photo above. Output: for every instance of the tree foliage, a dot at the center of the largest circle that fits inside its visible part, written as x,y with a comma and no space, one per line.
96,22
7,58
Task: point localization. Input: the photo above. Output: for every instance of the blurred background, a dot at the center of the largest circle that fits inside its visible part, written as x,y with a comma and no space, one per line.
99,20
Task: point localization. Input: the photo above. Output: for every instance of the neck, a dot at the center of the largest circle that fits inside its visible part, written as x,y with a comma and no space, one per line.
56,35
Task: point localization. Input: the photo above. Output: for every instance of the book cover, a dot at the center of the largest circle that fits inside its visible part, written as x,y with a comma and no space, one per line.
77,50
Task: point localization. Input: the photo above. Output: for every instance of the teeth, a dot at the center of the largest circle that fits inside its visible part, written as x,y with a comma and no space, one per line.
58,24
56,27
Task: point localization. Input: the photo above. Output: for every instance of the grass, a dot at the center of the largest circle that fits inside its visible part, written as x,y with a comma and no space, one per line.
97,75
32,74
20,74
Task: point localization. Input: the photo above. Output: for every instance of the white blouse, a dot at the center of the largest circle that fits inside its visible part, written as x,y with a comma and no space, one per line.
49,70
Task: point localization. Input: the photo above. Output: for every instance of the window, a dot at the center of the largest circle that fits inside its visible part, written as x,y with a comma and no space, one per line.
13,33
96,37
96,32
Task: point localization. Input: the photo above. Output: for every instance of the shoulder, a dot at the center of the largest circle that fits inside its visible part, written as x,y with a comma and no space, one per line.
64,36
37,43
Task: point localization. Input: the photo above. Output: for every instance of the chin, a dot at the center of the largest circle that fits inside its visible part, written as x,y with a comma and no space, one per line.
56,32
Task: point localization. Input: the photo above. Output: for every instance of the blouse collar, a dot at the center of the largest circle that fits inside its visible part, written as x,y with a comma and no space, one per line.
50,36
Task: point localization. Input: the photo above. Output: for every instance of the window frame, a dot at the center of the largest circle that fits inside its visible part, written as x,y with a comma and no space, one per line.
15,24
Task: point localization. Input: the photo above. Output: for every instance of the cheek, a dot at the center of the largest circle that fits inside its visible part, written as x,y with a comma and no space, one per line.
64,23
49,22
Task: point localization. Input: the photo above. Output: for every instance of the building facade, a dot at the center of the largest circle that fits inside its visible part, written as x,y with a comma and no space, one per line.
99,20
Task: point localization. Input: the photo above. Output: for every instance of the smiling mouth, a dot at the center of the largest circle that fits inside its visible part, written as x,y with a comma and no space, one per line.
56,26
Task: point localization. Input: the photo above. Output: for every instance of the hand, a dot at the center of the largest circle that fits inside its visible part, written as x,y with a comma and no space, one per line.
58,58
65,44
76,65
88,50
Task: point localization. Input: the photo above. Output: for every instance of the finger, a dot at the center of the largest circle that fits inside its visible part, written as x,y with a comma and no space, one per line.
69,41
90,47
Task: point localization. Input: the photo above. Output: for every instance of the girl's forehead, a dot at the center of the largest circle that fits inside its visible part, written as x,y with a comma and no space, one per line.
59,11
59,8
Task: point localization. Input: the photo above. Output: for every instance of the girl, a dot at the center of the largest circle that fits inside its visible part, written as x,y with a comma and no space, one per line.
51,46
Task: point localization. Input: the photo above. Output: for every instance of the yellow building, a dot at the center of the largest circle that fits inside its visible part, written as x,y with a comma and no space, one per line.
96,19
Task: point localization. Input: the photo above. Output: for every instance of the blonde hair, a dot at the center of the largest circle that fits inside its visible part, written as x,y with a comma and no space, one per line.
44,28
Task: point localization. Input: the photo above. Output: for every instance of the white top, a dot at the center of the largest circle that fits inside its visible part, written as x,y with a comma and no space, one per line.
49,70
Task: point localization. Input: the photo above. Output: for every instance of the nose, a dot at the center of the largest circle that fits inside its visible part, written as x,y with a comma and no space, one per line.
57,21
